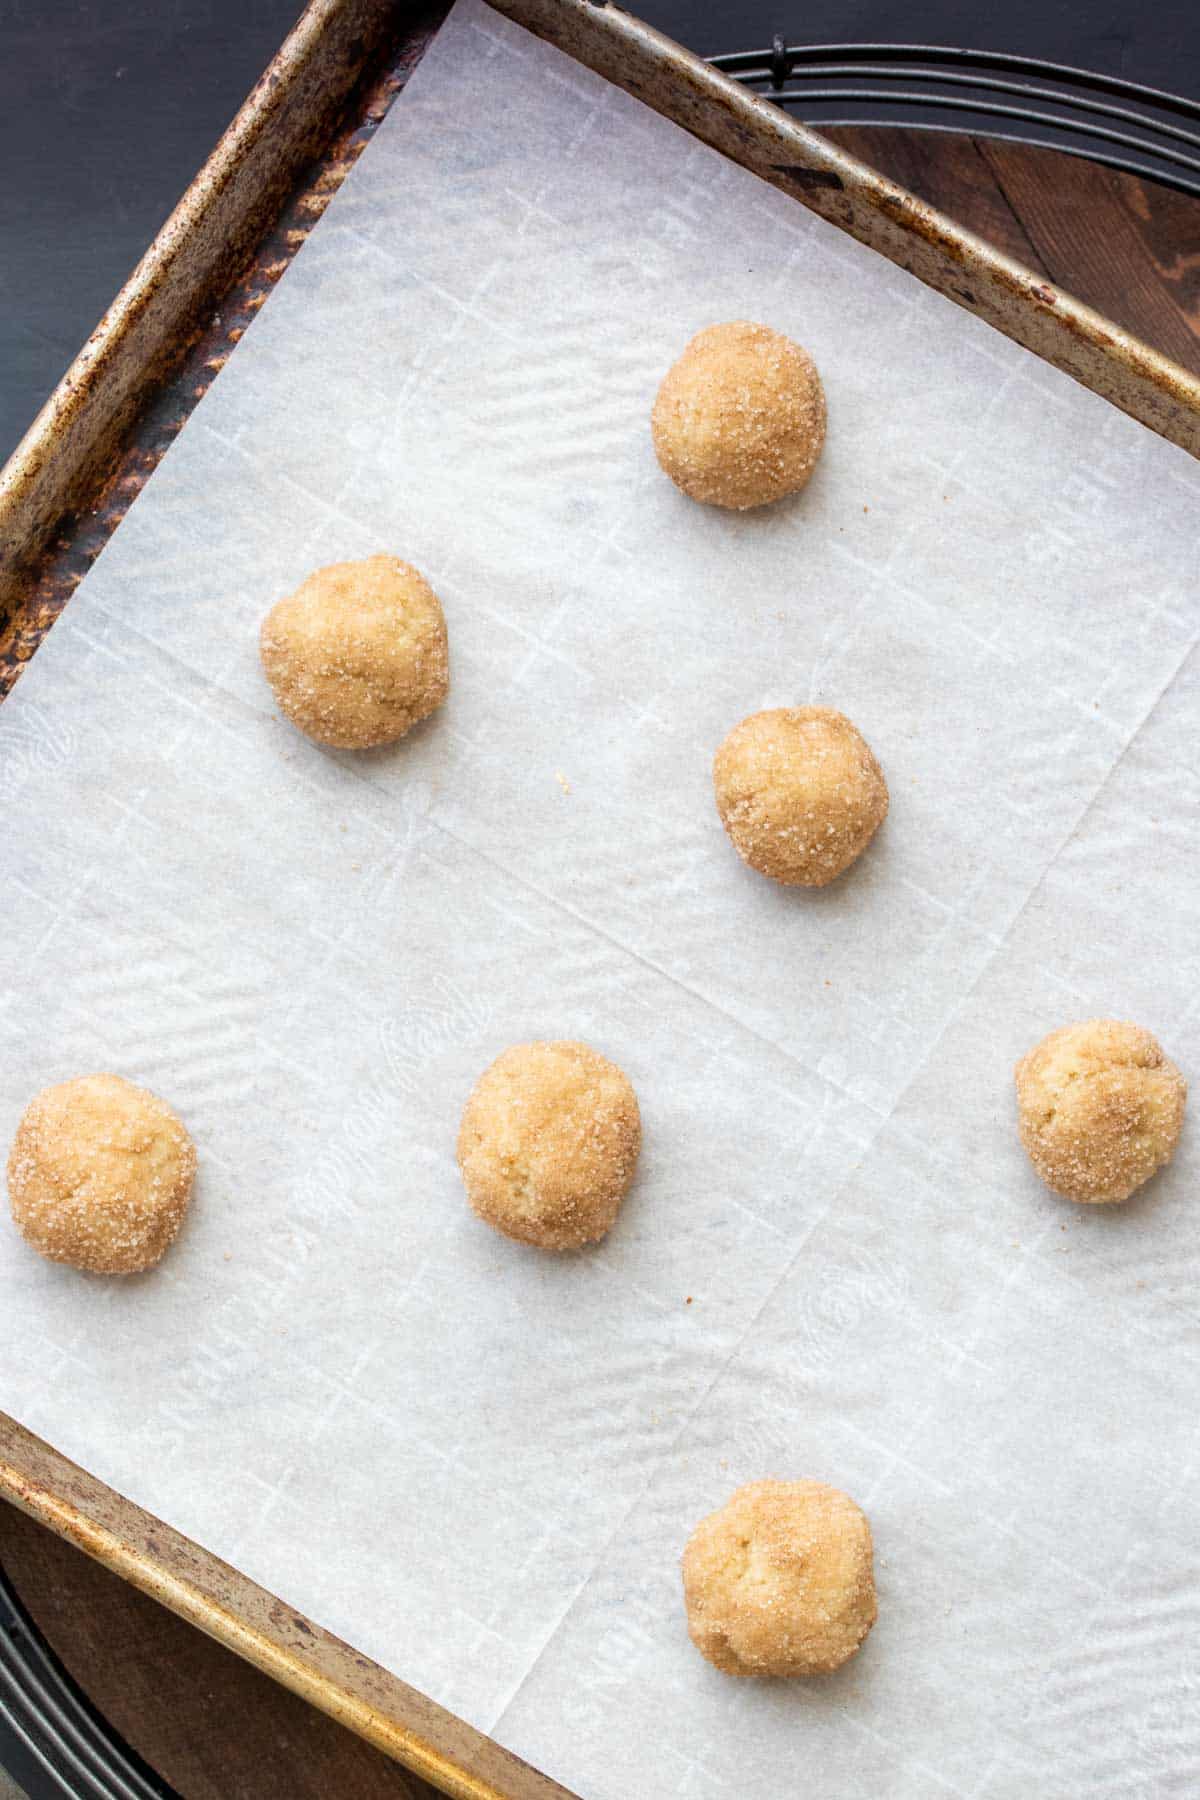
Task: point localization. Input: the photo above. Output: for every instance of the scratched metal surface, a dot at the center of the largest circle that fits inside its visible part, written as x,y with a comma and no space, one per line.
871,208
74,555
59,573
876,211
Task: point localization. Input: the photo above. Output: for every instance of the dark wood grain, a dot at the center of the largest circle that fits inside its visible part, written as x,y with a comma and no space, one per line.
1129,248
1103,235
212,1726
215,1728
953,174
1169,227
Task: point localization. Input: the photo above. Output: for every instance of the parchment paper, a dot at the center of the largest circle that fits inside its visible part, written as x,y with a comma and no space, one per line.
477,1463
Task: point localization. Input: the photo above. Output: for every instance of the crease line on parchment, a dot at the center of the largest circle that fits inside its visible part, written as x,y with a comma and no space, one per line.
206,680
954,1013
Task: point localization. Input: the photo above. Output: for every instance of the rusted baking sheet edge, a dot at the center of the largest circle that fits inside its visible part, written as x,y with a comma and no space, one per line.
171,328
93,447
87,456
762,137
229,1607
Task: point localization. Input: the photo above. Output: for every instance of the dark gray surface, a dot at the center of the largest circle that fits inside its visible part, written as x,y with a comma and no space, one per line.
1158,45
108,107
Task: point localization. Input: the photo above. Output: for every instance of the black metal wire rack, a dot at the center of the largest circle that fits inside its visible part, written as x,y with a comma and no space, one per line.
51,1737
934,88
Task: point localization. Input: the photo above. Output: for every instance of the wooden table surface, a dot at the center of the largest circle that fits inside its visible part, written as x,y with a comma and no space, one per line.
213,1727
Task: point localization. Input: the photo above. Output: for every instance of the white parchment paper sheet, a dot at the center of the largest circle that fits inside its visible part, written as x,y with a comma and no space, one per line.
476,1463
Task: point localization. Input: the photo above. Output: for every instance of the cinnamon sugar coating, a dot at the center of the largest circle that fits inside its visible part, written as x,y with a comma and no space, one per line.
100,1174
739,420
780,1581
548,1144
358,654
799,792
1100,1109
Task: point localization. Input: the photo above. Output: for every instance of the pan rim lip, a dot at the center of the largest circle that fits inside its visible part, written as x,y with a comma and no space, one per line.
9,1489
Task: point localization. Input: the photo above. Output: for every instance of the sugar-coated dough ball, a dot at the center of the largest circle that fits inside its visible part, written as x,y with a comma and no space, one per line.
740,419
357,655
548,1143
799,793
781,1580
100,1174
1100,1109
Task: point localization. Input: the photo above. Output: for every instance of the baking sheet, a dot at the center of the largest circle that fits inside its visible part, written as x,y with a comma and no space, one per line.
478,1464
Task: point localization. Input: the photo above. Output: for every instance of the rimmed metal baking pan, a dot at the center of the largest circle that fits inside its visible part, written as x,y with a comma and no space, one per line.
131,390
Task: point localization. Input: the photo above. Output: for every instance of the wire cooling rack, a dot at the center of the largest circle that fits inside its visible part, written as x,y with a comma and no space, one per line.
51,1737
935,88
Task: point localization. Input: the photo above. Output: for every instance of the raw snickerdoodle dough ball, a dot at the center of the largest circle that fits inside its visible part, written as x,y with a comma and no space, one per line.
740,419
548,1143
357,655
780,1581
799,793
1100,1109
100,1174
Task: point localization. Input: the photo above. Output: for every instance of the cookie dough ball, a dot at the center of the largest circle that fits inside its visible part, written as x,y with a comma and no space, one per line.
780,1581
357,655
799,793
1100,1109
548,1144
740,419
100,1174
